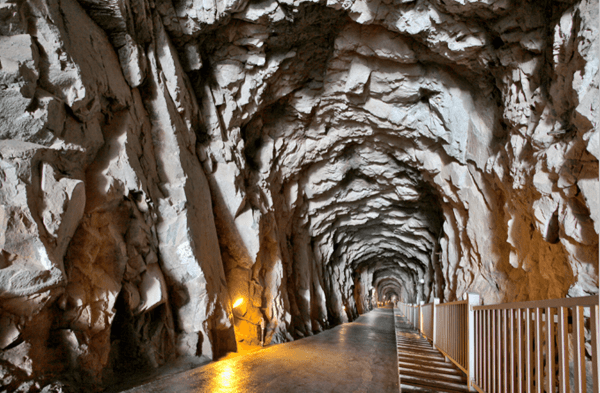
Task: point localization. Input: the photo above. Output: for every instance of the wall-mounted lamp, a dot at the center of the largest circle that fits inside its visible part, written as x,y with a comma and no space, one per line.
238,302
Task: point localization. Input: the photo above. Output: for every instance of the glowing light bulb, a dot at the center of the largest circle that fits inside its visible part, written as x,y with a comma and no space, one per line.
238,302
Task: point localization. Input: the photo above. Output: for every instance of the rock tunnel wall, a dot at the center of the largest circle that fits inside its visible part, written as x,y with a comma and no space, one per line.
160,159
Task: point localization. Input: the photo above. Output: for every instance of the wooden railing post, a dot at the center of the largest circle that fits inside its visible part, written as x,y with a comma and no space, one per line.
436,301
416,316
472,300
421,317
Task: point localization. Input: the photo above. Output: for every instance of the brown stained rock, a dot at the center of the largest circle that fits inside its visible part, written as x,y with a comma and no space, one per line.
19,357
9,332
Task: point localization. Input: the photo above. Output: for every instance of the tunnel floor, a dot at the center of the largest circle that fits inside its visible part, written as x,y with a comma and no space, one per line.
354,357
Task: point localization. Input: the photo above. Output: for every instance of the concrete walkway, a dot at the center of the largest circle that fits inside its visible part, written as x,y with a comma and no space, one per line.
353,357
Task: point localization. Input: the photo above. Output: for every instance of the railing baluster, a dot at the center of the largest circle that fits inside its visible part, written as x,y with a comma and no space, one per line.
481,345
465,338
456,321
493,343
499,350
513,364
538,351
464,329
523,351
434,311
488,370
459,336
579,349
483,352
455,333
494,352
563,351
529,353
442,326
505,347
481,348
472,300
550,348
469,337
445,332
477,354
451,330
447,329
519,351
511,332
465,319
475,372
595,346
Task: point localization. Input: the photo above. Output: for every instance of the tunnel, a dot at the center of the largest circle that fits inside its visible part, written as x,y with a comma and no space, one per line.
175,173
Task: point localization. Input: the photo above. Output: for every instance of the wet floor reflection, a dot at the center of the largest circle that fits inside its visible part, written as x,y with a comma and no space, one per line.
225,378
358,356
226,382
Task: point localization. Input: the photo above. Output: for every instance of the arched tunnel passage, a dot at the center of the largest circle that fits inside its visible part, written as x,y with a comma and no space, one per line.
162,161
354,167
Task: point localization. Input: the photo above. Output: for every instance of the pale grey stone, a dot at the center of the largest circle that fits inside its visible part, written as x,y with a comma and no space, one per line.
161,160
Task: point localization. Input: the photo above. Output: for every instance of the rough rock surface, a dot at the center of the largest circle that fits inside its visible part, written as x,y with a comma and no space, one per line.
161,159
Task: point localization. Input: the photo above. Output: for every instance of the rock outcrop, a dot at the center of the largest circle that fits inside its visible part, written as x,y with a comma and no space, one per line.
161,159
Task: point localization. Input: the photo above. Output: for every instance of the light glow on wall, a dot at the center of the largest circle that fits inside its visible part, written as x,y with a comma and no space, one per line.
238,302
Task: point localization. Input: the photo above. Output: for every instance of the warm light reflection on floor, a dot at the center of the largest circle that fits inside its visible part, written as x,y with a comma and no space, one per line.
352,357
343,333
226,375
227,381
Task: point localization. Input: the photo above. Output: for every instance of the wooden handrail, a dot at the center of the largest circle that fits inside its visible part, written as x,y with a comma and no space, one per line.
566,302
453,303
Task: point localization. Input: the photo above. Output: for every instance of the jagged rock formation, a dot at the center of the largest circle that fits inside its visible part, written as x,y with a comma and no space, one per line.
160,159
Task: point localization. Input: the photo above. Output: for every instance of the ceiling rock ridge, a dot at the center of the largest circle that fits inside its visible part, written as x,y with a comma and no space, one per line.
161,159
